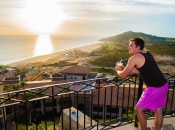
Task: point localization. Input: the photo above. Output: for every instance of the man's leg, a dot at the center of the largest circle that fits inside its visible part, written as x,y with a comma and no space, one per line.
141,117
158,119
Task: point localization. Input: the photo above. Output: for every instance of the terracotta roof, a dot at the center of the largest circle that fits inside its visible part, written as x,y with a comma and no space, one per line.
83,86
2,77
45,83
10,80
76,69
119,96
9,74
57,75
124,96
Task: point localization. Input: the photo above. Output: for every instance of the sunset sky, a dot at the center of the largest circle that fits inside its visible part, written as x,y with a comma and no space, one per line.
87,17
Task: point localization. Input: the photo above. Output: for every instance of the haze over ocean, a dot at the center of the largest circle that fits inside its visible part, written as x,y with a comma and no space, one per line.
16,48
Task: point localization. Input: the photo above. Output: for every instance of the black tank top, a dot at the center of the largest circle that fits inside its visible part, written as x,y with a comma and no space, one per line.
150,72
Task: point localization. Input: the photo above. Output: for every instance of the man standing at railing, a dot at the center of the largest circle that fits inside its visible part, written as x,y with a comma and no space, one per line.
154,96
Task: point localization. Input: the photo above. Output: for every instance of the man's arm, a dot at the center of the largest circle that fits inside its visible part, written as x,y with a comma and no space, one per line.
130,68
134,71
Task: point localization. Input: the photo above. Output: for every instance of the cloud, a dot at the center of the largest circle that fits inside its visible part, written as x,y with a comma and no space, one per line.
158,1
80,11
107,9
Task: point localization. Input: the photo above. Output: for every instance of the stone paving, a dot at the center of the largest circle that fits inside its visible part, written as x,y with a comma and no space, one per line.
168,124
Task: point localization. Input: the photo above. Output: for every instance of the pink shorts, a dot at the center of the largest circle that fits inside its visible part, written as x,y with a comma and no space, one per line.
153,98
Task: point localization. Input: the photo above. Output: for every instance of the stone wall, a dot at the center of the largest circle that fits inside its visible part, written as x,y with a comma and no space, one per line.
70,117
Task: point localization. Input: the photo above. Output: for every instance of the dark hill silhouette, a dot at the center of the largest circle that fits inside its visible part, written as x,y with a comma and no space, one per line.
149,39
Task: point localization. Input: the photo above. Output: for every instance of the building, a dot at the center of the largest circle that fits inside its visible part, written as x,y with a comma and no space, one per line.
75,73
11,80
56,77
1,91
7,83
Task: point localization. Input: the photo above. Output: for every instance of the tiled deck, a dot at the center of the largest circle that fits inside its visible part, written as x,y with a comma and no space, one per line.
168,124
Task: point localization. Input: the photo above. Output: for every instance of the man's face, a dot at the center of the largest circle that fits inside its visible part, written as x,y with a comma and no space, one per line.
132,47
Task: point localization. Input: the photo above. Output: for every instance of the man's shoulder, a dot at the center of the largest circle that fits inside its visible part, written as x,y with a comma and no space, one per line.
133,58
138,55
137,58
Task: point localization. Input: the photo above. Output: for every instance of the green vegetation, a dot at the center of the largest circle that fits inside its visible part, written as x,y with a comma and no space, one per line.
104,58
104,70
109,54
41,126
60,64
162,49
8,88
116,47
28,95
2,69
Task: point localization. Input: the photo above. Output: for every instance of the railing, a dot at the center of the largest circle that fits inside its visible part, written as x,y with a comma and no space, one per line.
101,103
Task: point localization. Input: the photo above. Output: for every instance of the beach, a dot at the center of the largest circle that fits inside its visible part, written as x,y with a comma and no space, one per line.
59,55
20,48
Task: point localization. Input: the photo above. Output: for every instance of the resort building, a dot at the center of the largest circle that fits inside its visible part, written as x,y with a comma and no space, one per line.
75,73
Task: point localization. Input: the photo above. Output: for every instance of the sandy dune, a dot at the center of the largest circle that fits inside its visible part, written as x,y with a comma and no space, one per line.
59,55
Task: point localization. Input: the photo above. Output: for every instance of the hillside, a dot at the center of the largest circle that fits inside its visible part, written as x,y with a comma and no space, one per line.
103,56
149,39
116,47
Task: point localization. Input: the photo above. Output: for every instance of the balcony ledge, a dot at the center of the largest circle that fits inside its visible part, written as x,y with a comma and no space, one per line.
168,124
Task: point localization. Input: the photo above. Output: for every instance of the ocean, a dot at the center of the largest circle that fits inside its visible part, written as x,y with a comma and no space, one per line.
17,48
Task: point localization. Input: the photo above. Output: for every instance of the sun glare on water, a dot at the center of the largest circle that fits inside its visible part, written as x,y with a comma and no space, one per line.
43,45
42,17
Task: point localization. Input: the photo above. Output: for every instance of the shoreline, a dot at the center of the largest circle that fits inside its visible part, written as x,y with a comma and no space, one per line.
20,51
57,54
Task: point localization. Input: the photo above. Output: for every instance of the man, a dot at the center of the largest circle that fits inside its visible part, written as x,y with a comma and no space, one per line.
154,96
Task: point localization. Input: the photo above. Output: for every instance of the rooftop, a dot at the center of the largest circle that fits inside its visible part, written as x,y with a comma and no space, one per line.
76,69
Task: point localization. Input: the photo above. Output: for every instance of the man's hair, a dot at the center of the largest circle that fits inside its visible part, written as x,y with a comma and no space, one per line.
138,42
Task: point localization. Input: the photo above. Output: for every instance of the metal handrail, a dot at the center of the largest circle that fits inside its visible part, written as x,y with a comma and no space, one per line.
106,102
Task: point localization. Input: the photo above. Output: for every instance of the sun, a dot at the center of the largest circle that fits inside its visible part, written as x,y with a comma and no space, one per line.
43,45
42,16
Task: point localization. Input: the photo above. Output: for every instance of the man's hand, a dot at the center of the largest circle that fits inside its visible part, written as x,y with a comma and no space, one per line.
117,67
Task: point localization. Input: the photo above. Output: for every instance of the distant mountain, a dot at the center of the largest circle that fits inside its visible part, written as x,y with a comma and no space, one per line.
149,39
